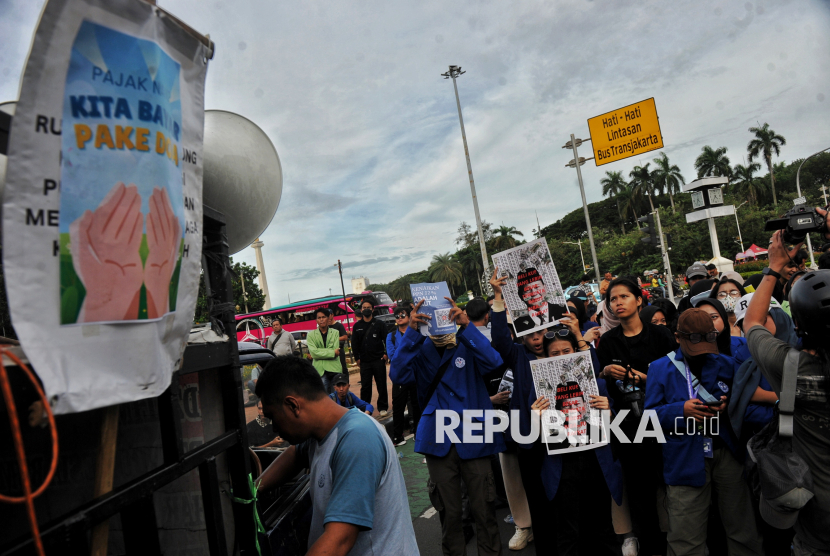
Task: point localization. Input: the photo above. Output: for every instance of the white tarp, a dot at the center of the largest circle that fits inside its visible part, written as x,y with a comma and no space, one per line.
103,201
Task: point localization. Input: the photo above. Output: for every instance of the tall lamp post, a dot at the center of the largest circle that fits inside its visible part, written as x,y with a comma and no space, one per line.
740,237
579,242
823,189
453,73
576,163
798,188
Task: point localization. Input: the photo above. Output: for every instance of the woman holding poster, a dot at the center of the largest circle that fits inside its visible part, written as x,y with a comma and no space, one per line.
532,293
553,489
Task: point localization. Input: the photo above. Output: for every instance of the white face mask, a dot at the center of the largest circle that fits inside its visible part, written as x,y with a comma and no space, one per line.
729,303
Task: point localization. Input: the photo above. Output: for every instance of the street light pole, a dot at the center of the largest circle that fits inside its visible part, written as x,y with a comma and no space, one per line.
578,242
798,188
343,289
576,163
740,237
823,189
454,72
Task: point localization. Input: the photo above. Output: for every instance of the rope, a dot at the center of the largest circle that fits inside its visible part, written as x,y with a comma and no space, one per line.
20,449
259,528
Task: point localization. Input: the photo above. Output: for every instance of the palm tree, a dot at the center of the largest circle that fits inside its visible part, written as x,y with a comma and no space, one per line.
744,178
444,268
712,162
612,185
504,237
642,182
628,201
765,143
668,176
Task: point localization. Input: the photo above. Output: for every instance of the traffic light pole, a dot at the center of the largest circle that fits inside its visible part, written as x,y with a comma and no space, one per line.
666,264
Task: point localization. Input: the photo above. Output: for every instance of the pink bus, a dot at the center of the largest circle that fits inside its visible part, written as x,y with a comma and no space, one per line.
301,316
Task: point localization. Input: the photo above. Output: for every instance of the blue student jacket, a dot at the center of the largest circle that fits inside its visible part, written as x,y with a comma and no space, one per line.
416,361
518,358
740,351
392,347
352,401
666,392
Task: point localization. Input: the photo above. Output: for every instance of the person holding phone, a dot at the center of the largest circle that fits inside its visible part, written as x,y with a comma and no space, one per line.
689,390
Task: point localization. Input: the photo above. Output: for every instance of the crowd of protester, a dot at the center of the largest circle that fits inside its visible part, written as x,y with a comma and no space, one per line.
716,361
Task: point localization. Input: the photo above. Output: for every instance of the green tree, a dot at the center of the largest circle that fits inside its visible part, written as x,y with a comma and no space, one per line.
712,162
667,177
765,143
254,295
503,238
444,268
642,181
613,185
745,180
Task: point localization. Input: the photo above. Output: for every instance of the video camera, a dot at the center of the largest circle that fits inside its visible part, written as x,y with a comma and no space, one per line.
797,223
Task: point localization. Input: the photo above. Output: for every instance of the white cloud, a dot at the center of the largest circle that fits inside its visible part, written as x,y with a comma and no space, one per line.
367,130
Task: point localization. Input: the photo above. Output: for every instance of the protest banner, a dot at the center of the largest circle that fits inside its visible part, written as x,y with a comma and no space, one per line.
532,294
102,209
567,381
435,306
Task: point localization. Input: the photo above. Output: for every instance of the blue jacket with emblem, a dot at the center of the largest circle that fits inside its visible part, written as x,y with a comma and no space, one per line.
667,390
518,358
416,361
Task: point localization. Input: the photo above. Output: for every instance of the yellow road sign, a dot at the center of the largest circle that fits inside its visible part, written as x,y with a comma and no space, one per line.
624,132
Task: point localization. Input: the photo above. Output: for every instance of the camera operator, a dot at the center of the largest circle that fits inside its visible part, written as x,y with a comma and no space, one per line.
811,313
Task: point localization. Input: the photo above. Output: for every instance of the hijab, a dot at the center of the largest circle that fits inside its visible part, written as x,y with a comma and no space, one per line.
609,319
647,313
725,335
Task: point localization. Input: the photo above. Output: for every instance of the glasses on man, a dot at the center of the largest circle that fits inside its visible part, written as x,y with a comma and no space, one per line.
696,338
400,316
731,293
561,333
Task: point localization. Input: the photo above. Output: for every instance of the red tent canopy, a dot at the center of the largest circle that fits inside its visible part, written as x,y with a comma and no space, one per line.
756,250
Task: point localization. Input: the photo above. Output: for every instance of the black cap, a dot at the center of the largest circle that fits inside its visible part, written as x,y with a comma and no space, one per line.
341,378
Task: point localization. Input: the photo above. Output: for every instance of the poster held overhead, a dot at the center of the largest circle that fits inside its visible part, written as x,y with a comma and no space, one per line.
568,381
532,294
102,259
436,306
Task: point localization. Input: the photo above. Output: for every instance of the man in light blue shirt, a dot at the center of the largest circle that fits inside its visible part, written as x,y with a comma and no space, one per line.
359,501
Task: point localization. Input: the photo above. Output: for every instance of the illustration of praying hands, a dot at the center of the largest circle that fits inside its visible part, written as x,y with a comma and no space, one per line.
105,253
163,240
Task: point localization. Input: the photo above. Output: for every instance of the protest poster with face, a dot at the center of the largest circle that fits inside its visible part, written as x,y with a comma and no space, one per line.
533,294
102,208
567,381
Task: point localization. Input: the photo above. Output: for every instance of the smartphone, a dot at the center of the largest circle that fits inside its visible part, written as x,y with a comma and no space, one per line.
712,404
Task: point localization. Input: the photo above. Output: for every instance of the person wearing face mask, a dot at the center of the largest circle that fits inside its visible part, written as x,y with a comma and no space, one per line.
448,372
728,292
688,389
369,348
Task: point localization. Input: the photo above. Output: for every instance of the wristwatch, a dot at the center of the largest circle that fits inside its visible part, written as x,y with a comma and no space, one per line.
770,272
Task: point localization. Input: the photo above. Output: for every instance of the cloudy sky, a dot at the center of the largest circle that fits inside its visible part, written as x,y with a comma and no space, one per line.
367,130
